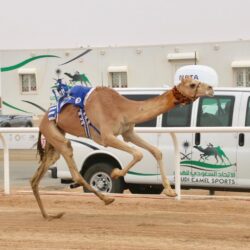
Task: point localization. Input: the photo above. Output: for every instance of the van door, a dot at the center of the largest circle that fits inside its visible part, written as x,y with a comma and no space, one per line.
214,154
181,116
243,144
145,171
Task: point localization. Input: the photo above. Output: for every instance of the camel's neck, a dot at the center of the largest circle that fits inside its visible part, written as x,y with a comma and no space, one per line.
146,110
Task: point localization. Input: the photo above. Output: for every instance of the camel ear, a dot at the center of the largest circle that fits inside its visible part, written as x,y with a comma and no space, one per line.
188,79
183,80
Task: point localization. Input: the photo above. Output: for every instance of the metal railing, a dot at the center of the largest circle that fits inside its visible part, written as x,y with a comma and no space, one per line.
6,159
172,131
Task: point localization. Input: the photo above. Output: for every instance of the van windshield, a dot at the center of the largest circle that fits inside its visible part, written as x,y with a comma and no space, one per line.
215,111
248,113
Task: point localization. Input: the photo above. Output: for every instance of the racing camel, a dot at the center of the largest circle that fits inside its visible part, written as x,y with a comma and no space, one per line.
109,115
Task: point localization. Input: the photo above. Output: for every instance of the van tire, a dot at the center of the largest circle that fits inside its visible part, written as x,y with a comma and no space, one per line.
99,176
145,189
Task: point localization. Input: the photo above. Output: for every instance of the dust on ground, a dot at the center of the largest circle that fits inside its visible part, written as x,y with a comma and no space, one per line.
131,222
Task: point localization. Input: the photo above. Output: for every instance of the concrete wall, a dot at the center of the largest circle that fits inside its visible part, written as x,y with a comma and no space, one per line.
148,66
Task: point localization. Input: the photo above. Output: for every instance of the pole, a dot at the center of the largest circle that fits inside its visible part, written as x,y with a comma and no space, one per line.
177,166
6,166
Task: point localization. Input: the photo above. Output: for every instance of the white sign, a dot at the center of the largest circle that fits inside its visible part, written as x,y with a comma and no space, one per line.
20,140
199,72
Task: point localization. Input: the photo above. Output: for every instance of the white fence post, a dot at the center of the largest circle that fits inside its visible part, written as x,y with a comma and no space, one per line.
6,159
6,165
177,166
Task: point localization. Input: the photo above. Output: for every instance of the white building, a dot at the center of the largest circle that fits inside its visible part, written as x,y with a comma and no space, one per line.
27,75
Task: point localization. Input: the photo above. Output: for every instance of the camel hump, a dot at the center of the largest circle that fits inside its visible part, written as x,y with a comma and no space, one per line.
106,93
106,90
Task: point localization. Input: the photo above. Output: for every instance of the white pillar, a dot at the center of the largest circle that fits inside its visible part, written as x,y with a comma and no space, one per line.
177,166
0,84
6,165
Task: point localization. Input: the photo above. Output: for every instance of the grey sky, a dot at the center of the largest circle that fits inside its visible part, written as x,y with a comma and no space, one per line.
64,23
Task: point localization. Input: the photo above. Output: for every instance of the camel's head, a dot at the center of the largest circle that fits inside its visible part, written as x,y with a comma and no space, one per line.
190,89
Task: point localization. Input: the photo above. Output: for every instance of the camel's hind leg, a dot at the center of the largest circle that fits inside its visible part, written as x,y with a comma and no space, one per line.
50,157
67,153
63,146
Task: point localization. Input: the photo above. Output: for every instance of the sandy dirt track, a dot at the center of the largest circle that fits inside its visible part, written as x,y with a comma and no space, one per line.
151,223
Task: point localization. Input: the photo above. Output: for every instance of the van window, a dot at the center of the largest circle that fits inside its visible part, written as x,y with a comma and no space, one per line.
177,117
151,123
215,111
248,113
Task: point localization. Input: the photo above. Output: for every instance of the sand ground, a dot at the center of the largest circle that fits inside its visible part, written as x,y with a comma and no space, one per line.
131,222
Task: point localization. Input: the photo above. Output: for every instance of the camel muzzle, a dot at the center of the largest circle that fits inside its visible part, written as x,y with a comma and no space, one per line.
210,91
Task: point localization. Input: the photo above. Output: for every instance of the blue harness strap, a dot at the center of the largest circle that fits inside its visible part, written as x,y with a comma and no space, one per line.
52,112
85,122
77,96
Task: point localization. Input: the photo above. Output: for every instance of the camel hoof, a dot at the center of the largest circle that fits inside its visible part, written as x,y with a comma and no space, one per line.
52,217
169,192
108,200
116,173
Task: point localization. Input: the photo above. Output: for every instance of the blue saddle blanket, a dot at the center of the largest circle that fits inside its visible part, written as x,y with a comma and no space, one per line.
76,97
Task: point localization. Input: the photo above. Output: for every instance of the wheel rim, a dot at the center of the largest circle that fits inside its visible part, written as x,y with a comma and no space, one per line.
101,181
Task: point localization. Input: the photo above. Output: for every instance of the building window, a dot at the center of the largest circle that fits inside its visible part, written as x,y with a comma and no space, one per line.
28,83
119,79
242,77
27,80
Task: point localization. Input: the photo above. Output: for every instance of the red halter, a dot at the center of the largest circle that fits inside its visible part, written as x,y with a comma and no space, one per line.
181,98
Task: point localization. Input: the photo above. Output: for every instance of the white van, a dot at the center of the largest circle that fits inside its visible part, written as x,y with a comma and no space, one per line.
213,161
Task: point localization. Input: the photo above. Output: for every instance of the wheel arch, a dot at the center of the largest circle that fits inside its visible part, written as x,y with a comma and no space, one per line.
100,157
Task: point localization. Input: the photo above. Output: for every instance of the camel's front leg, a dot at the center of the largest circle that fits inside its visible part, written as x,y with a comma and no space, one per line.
54,136
111,141
137,140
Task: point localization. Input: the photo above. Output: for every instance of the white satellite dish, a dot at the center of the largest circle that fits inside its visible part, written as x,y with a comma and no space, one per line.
199,72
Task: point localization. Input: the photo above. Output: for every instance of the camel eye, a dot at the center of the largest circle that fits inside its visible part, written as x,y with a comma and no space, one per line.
192,85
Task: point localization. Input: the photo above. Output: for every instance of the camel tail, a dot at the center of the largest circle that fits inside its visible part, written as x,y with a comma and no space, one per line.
40,149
